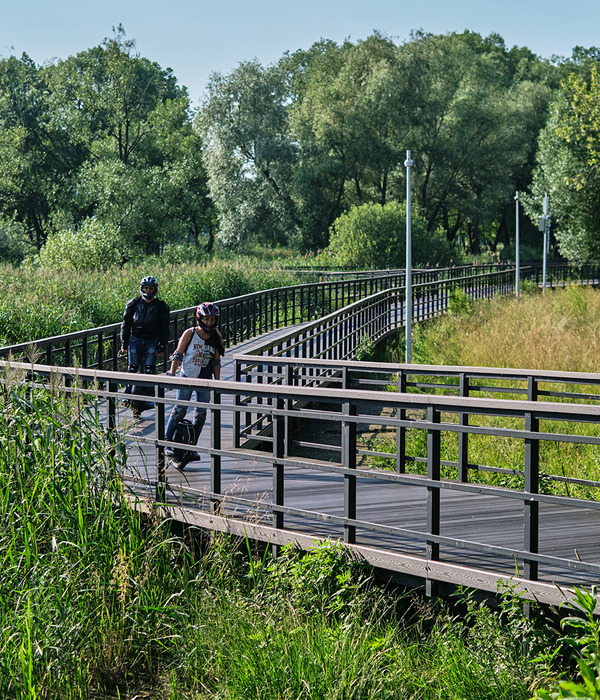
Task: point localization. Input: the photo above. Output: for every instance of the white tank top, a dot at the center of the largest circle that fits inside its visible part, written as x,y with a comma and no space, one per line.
198,357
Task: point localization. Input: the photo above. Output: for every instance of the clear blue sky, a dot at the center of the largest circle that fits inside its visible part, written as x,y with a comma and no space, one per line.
196,37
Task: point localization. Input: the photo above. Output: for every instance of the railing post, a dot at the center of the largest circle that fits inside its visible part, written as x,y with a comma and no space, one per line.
237,402
116,346
463,438
432,548
84,352
401,430
215,442
349,461
531,486
278,468
289,381
112,415
100,351
159,431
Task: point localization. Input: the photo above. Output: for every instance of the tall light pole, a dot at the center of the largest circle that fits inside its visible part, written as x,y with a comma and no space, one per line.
544,225
517,274
409,310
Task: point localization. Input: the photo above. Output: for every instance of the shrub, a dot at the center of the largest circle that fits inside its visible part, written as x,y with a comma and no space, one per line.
374,236
15,243
94,245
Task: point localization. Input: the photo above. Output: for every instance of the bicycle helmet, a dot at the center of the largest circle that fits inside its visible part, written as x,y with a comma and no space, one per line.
207,309
149,281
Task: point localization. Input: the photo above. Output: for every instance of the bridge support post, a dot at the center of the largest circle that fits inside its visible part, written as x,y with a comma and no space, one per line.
349,461
432,547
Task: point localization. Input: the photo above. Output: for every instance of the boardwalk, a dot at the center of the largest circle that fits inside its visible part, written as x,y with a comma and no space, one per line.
422,526
494,523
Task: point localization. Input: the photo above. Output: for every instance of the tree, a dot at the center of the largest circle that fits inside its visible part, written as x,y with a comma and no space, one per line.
473,128
371,233
293,146
352,120
249,155
140,166
33,155
569,162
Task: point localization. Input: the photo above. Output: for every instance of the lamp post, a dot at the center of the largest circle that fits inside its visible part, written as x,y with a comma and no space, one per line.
409,310
544,225
517,273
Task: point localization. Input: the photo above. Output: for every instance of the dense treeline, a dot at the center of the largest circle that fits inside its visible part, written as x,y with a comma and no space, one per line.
105,137
103,147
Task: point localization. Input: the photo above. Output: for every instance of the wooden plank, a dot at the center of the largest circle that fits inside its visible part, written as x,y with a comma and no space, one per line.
427,570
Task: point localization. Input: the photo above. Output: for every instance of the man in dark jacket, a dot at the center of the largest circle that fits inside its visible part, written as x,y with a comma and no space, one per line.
144,333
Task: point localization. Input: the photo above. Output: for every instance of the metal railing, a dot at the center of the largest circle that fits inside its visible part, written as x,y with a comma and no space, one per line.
247,316
429,548
242,318
441,539
339,334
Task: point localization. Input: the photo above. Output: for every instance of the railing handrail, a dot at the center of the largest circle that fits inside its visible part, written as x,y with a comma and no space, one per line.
282,403
241,326
504,373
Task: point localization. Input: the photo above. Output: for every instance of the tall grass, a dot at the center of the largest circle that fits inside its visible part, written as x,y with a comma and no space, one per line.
96,602
557,330
37,303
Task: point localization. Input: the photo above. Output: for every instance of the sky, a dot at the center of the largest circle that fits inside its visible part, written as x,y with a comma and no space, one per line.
196,37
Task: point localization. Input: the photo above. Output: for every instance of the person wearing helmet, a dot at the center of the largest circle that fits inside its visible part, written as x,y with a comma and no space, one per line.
144,334
198,354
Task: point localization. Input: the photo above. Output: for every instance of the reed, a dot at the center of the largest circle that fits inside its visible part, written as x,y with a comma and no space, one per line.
96,602
557,330
39,303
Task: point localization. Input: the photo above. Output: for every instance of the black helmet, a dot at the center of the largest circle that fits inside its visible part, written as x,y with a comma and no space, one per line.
149,281
207,309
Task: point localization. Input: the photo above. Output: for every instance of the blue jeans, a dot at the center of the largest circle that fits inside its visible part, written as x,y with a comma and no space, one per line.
178,412
142,352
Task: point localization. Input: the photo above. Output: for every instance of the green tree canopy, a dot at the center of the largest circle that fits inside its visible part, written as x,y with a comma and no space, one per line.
374,236
292,146
249,155
105,134
569,162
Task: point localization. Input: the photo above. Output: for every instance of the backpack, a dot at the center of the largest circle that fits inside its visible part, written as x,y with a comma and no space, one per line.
186,434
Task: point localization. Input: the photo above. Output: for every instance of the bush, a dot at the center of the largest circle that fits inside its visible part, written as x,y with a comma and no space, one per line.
94,245
374,236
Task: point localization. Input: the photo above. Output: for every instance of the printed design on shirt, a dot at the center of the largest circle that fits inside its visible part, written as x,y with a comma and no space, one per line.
199,357
201,354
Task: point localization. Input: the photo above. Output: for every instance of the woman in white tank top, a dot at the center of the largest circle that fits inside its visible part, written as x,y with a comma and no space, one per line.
198,354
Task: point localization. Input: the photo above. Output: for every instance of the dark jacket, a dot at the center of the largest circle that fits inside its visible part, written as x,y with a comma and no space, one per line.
144,319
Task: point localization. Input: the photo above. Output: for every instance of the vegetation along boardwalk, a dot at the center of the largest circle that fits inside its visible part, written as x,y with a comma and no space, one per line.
437,476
